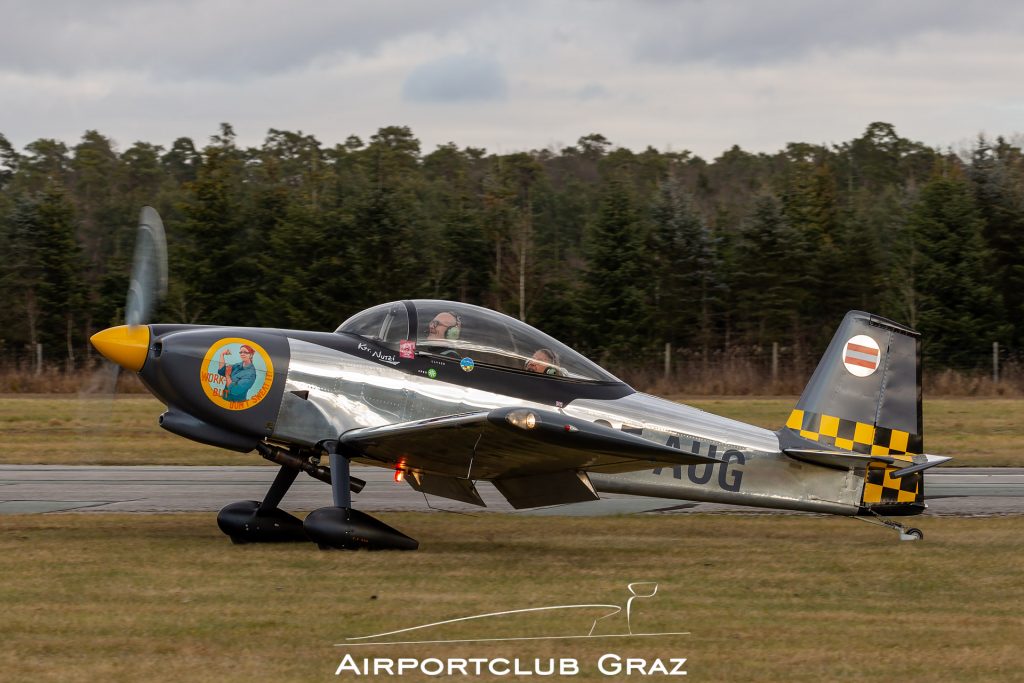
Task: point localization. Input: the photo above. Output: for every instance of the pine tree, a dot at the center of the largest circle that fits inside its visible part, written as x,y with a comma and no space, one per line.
687,285
215,280
997,172
613,301
769,284
958,312
42,274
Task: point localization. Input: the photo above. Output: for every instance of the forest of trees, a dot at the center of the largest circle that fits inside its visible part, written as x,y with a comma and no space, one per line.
614,251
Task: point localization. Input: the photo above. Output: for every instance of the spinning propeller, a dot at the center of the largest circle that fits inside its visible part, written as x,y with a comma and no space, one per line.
146,289
148,284
127,346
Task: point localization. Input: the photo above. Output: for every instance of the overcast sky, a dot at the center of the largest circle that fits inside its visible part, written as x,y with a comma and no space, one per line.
510,76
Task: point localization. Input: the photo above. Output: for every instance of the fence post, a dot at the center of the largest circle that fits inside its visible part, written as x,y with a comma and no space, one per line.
995,362
668,359
775,363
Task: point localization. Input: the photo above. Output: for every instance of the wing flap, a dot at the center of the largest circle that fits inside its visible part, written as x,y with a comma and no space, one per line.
555,488
462,490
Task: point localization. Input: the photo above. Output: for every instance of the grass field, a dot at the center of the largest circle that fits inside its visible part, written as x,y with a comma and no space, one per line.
166,597
54,429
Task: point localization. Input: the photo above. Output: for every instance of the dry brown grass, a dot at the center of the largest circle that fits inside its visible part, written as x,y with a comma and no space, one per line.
51,429
54,429
136,598
55,380
740,376
977,432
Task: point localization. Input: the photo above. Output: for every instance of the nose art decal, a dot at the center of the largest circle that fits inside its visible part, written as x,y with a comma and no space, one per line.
236,373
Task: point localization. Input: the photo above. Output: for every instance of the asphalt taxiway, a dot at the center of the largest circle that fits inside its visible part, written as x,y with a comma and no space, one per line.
59,488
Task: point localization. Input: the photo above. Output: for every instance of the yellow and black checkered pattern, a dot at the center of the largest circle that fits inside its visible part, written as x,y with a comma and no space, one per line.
879,487
860,437
851,435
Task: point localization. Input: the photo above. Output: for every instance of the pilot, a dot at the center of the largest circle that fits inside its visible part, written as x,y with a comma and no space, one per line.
240,376
445,325
543,361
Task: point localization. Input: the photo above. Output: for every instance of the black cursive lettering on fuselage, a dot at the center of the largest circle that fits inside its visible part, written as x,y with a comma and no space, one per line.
389,358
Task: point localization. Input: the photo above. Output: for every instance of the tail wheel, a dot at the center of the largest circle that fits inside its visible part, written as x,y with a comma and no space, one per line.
915,532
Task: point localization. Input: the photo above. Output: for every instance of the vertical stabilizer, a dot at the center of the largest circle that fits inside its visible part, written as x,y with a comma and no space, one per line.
865,397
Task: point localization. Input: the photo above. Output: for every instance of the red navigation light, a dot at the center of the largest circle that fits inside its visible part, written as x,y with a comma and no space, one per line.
399,476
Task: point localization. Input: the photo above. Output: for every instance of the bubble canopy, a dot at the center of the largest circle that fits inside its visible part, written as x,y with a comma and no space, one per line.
449,329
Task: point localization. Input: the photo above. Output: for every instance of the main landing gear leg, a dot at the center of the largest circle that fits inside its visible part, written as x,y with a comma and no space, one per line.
251,521
906,533
344,528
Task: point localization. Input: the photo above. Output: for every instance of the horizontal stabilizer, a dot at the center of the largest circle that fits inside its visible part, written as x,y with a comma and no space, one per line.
847,460
921,462
838,459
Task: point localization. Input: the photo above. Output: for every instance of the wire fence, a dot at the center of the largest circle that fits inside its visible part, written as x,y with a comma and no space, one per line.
783,370
737,371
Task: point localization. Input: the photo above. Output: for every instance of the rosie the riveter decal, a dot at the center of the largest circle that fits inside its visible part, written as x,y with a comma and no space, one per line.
236,373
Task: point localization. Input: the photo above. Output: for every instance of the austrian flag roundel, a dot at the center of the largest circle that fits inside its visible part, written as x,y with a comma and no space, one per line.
861,355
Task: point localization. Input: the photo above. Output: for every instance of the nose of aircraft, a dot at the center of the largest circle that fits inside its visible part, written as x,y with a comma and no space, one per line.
126,345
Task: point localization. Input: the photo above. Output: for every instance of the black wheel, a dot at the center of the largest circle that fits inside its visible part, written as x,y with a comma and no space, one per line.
915,532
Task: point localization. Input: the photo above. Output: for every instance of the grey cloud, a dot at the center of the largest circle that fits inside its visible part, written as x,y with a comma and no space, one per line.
208,39
752,32
592,91
456,78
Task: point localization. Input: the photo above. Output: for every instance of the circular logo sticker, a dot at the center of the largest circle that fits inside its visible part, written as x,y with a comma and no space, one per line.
861,355
467,364
236,373
431,373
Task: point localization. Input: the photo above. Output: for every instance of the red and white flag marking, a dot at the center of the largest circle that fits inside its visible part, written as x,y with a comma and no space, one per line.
861,355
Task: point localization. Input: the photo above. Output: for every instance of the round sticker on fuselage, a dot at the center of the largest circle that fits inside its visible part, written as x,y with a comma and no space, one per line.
236,373
861,355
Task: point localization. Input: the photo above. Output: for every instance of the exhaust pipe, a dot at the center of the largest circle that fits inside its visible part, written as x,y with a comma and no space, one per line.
286,459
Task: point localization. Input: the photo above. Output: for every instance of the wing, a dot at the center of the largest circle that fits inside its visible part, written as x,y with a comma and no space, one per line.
534,457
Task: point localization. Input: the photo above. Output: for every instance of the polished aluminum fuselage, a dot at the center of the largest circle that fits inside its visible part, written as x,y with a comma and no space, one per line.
347,392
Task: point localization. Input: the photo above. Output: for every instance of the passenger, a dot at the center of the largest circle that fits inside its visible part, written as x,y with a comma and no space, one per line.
544,361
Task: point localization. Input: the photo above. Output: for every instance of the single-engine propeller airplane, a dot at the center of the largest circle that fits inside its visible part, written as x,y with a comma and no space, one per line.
447,394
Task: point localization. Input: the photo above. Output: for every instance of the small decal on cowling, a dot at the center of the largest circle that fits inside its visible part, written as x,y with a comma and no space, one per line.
236,373
861,355
467,364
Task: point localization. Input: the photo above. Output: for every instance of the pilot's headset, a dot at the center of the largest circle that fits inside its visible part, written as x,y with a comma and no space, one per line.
453,332
551,367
